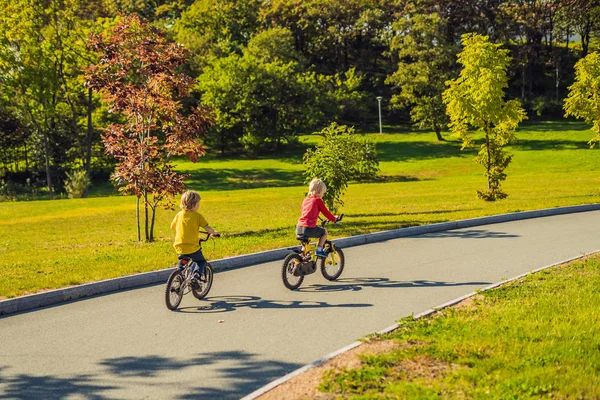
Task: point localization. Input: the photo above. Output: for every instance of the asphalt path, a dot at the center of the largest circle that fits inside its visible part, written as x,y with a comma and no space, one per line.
251,329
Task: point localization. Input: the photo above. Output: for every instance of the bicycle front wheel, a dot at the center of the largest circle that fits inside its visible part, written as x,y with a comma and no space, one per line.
201,289
332,265
174,290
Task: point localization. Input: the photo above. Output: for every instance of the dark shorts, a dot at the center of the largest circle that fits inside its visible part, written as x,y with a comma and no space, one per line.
197,257
315,232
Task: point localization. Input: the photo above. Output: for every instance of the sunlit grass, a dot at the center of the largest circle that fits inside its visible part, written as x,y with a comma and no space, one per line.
534,338
50,244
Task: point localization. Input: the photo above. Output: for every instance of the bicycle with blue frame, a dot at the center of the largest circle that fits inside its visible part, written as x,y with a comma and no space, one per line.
184,279
304,261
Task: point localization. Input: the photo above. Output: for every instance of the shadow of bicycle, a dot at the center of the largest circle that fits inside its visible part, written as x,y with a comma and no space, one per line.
221,304
356,284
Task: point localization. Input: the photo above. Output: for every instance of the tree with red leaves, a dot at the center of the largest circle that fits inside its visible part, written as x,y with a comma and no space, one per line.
137,76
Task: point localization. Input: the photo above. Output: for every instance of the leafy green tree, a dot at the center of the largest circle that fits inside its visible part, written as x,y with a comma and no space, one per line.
209,28
263,98
477,99
335,36
41,48
426,62
583,100
339,158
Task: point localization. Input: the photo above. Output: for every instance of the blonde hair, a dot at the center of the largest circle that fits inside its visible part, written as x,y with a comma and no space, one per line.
189,200
316,187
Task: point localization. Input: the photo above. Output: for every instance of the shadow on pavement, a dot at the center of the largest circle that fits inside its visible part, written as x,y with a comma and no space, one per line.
356,284
243,372
470,234
219,304
27,387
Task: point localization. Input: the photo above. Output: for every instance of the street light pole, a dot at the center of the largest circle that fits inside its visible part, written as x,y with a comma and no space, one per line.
379,98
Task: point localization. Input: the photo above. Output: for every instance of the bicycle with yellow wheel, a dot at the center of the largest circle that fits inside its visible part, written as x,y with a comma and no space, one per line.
305,261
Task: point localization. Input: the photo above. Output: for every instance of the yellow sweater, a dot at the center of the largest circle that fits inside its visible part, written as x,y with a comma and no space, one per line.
187,226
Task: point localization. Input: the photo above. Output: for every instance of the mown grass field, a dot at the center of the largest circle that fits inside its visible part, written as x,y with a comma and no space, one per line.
534,338
255,203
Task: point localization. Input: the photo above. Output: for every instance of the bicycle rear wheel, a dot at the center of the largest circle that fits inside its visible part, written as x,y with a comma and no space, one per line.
174,290
289,275
204,284
332,265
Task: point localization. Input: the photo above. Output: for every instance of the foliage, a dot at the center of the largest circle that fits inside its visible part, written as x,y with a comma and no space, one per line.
77,184
263,99
137,76
476,98
217,29
426,63
42,52
584,94
338,159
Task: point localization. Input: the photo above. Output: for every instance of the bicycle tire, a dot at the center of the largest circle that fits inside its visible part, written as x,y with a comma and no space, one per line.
334,273
174,291
205,286
291,281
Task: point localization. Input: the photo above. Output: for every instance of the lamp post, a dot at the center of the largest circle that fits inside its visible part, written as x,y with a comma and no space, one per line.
379,98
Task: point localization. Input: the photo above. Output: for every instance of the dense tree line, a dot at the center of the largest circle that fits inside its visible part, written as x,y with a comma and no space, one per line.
271,70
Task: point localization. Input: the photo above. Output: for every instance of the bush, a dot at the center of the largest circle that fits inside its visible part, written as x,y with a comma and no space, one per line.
77,183
338,159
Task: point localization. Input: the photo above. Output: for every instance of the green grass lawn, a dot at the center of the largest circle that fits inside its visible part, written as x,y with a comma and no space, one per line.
537,337
255,203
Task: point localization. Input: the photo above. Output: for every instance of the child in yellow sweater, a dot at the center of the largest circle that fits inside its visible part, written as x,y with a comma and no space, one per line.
187,224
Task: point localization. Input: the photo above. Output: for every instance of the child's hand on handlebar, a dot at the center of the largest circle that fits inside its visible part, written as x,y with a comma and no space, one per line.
216,234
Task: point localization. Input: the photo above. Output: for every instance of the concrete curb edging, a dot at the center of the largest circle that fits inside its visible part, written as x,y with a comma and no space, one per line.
263,390
33,301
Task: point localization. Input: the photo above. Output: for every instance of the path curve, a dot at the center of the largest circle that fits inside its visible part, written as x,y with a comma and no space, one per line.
251,330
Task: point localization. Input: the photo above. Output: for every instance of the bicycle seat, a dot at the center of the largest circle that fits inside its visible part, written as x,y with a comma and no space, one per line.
184,257
303,238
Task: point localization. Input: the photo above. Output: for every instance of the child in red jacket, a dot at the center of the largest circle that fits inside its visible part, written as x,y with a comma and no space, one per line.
311,207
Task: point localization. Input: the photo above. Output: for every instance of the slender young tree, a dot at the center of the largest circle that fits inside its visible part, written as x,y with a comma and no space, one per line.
137,75
477,99
584,95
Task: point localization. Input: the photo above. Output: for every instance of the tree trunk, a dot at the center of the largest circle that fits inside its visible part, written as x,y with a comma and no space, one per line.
26,159
146,226
152,223
523,82
438,133
88,134
48,172
137,218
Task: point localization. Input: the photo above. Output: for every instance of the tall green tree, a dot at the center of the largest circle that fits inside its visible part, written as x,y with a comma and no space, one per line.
477,99
210,29
264,98
583,100
41,44
426,62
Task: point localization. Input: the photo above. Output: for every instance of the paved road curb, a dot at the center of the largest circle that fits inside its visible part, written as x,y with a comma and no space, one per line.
33,301
263,390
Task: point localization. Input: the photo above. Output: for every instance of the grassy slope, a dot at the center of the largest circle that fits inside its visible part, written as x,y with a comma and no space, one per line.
50,244
534,338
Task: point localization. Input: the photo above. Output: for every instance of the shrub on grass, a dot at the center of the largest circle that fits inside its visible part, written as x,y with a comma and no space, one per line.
77,183
338,159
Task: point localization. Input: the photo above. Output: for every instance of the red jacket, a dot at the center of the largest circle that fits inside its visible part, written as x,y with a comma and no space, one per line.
311,207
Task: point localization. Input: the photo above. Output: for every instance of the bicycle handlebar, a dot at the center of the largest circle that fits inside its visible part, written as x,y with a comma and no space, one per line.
326,221
208,235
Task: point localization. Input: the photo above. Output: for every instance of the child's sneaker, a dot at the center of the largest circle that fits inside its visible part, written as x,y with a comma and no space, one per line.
321,253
